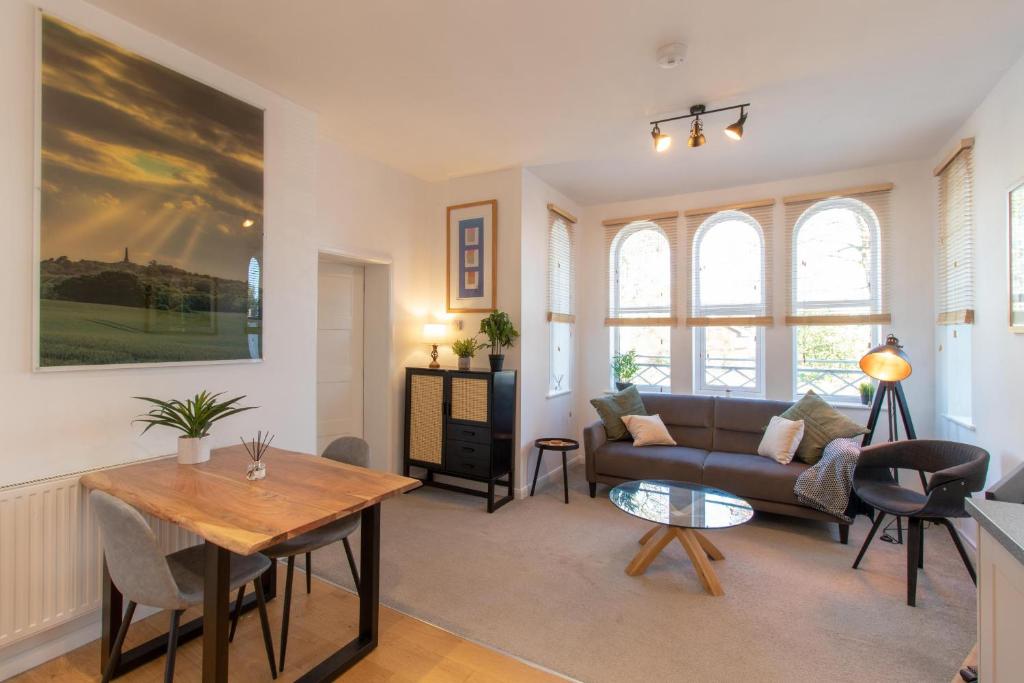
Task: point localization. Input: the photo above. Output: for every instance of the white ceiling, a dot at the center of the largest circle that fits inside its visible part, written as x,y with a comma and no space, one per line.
443,88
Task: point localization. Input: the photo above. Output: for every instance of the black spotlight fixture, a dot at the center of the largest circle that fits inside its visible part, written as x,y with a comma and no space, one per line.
661,141
735,131
696,138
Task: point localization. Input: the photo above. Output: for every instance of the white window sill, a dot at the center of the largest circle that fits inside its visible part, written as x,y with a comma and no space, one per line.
964,422
843,404
556,394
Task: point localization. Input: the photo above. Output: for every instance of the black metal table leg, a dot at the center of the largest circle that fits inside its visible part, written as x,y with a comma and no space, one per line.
536,471
369,604
565,476
156,647
215,613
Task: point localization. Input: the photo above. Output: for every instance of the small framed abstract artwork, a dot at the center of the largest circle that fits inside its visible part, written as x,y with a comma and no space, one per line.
1016,253
472,257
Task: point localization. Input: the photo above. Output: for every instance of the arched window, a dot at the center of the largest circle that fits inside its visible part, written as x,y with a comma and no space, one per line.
640,311
836,294
728,289
561,300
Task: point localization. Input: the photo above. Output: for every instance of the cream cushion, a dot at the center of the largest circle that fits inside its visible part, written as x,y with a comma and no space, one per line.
781,439
648,430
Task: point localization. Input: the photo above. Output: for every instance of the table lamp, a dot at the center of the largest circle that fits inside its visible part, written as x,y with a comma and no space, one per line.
434,334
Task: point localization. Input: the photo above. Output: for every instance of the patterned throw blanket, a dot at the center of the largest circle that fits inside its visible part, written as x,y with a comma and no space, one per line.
826,484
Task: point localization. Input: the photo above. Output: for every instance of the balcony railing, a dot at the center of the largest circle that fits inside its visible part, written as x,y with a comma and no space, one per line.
841,378
655,373
836,378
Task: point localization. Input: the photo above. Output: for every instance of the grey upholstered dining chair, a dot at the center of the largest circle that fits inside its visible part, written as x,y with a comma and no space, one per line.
144,575
350,450
958,470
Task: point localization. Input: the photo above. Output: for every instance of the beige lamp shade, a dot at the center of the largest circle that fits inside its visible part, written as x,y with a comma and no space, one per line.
435,333
887,362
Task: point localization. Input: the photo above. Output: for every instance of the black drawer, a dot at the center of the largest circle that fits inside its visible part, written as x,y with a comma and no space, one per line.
461,432
464,457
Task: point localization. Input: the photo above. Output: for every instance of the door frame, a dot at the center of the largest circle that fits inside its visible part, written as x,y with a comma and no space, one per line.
379,417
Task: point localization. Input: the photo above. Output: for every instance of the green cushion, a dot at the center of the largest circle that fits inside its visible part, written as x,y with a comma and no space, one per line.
822,423
612,407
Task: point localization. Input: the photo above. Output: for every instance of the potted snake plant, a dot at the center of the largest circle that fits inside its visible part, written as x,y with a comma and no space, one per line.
193,418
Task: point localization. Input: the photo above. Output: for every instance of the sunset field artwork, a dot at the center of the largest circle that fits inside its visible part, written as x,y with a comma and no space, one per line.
150,214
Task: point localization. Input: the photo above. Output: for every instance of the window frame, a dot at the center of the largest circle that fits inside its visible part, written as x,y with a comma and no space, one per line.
838,306
874,300
614,256
757,309
700,366
556,221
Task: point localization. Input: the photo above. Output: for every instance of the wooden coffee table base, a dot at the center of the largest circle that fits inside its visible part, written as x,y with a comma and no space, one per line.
697,547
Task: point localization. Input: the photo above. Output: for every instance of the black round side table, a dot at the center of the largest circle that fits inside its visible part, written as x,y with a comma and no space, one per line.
555,444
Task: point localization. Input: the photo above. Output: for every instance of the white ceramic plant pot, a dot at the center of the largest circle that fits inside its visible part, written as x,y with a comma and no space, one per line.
192,451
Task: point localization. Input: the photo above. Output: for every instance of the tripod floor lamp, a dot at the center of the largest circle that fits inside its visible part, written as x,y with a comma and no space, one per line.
890,366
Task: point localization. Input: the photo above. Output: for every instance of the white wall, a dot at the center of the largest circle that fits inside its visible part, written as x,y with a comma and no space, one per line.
59,422
367,210
912,210
997,356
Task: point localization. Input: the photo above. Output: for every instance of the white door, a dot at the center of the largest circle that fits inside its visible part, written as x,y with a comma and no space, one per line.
339,345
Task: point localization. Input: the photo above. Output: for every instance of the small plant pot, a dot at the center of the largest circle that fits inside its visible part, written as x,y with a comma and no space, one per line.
192,451
865,399
622,386
497,360
464,362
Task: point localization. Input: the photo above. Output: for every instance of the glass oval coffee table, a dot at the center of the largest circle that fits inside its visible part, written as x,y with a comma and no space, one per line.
680,509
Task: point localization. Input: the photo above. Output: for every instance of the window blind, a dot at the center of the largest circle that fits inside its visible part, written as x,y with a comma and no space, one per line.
956,237
857,294
720,294
640,256
561,269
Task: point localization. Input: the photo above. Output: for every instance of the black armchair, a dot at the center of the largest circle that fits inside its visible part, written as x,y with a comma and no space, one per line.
957,470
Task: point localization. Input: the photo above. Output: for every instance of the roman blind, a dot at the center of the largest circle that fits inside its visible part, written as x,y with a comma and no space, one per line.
640,255
956,236
561,269
837,257
730,264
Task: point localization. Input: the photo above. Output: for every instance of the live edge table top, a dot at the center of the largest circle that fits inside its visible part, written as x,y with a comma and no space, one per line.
216,501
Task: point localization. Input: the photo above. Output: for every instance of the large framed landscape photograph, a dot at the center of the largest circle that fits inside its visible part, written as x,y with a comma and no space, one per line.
150,211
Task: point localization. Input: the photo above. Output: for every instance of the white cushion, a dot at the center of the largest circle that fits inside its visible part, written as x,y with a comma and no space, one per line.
781,439
648,430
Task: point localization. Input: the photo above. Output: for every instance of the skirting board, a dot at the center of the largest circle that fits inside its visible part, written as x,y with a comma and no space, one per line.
57,641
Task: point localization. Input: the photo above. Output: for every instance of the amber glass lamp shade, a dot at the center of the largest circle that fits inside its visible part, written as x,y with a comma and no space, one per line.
887,363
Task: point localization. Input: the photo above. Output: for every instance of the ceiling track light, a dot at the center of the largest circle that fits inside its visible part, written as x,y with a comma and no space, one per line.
697,139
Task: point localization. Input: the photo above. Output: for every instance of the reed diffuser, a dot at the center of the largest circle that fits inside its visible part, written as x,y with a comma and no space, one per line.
256,449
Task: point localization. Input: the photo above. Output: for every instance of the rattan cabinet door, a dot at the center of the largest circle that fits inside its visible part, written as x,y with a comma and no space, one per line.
425,417
470,398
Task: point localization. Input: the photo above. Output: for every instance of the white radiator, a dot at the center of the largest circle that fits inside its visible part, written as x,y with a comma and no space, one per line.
51,557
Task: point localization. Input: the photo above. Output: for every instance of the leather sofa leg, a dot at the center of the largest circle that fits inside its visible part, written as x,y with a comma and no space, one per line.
593,489
844,533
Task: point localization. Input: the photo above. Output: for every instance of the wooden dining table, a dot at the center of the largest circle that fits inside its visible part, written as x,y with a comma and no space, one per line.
234,515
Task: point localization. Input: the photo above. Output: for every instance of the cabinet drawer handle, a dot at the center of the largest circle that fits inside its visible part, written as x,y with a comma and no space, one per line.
468,449
469,433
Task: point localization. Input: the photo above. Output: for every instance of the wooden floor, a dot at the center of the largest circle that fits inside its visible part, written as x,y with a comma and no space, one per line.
409,649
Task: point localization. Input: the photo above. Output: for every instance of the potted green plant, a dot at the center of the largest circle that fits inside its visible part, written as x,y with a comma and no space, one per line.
625,367
501,334
193,418
465,349
867,392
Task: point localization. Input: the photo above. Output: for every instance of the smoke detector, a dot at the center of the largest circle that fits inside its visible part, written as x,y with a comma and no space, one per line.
672,55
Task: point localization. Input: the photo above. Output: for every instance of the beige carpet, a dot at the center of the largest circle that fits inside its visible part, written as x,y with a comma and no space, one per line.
544,581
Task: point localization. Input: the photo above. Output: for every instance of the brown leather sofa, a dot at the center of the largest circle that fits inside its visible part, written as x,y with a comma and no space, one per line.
717,446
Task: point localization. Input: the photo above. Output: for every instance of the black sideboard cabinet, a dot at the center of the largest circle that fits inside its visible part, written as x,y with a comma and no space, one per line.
461,423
